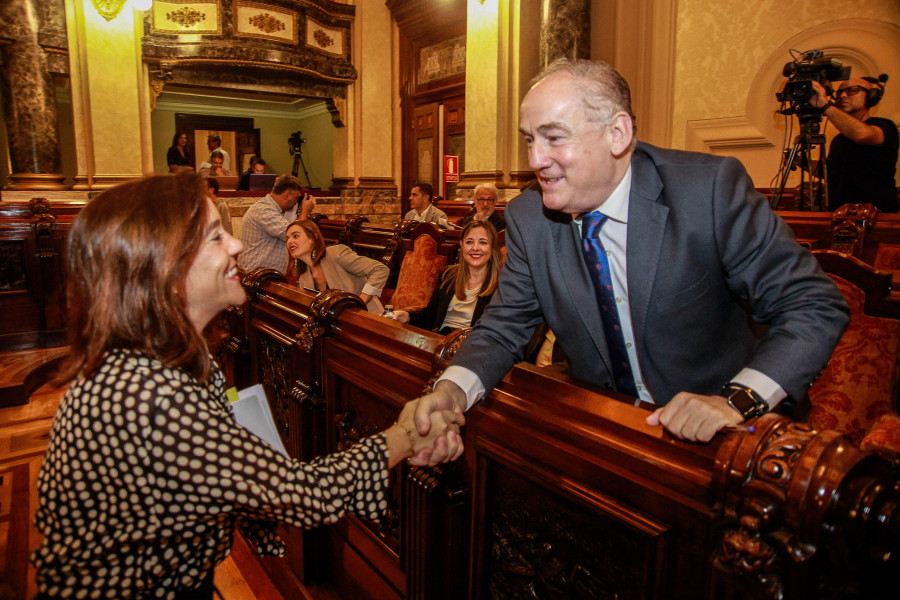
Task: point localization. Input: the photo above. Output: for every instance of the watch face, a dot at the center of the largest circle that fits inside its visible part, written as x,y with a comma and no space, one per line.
743,402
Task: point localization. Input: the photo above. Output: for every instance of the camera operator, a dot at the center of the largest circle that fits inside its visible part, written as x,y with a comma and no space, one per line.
862,158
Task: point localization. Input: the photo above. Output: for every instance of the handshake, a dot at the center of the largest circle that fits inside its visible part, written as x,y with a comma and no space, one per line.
427,431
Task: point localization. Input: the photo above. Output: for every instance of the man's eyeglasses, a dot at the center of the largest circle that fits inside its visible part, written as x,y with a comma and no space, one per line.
485,199
850,91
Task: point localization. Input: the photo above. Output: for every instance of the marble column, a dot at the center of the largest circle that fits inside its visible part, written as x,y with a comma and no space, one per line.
29,101
565,30
364,150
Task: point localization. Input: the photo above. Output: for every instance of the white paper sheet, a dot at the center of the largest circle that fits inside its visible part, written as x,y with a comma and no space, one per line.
251,410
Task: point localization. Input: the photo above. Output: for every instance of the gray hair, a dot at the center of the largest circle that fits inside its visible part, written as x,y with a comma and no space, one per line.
490,187
603,90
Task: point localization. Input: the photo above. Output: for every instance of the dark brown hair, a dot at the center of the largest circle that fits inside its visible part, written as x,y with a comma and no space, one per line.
425,188
459,276
129,253
177,135
297,267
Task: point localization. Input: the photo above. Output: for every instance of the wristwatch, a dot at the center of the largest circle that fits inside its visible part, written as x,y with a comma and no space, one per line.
826,106
744,400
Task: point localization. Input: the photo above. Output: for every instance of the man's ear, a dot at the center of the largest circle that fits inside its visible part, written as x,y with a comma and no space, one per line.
619,133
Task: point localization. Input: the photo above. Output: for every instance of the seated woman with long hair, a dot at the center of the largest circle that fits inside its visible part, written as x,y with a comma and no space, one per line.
465,288
315,267
147,470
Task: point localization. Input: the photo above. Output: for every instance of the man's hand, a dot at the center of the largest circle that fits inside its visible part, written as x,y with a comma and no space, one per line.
694,417
820,98
307,205
447,396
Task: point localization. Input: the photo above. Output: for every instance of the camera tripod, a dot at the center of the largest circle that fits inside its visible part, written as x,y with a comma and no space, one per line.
298,160
813,195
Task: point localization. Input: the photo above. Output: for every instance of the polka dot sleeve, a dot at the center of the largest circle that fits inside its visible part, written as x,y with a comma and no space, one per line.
147,472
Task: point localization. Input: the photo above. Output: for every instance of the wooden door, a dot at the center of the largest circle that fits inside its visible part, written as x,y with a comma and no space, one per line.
454,142
426,146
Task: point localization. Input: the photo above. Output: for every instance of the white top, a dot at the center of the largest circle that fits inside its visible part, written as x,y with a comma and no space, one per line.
460,312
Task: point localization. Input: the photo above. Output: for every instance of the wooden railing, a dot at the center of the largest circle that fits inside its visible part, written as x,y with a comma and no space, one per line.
563,491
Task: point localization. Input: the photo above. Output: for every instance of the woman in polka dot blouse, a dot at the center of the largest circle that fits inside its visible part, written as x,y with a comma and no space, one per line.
147,471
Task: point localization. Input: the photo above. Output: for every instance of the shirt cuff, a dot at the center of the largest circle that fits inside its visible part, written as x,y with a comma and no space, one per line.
371,290
468,382
762,384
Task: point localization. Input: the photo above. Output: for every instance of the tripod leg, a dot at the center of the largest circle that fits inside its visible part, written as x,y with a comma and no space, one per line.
305,172
792,156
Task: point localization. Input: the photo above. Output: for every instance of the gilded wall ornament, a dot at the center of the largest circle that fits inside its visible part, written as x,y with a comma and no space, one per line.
267,23
186,17
108,9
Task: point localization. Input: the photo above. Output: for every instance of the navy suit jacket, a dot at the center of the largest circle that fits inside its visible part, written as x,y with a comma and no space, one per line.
704,252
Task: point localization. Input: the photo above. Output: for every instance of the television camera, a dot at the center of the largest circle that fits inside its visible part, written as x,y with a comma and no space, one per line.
801,72
806,68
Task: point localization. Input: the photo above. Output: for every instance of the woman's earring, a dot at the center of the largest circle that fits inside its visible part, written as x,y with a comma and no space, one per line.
312,256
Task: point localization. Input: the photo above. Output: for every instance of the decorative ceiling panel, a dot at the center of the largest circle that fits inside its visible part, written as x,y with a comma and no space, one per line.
186,17
252,19
268,43
323,38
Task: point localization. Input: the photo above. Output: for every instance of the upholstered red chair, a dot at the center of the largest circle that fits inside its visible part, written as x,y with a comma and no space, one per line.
887,257
857,392
419,273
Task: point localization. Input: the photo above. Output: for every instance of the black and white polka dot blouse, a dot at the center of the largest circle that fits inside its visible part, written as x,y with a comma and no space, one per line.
147,472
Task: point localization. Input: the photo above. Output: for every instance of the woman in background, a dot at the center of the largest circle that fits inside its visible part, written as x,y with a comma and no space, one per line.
465,288
179,157
313,266
147,471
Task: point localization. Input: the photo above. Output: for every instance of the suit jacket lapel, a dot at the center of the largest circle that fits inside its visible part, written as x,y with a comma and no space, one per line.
646,226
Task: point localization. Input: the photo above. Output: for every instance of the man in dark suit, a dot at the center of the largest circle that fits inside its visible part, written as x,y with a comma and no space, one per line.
691,247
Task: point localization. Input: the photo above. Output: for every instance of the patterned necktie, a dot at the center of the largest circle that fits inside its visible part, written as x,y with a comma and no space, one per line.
598,266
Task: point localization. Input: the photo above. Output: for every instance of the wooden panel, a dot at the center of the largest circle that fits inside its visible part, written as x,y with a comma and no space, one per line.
32,299
817,226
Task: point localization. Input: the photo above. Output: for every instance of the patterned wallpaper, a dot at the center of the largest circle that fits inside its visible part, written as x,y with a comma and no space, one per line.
721,46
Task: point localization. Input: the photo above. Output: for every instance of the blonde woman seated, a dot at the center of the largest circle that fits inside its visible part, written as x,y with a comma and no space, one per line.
465,288
315,267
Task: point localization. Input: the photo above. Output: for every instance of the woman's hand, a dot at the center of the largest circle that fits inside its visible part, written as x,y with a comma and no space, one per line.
401,315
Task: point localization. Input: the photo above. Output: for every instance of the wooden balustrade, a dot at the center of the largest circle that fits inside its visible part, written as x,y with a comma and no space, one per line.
32,243
816,231
563,491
